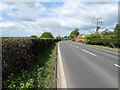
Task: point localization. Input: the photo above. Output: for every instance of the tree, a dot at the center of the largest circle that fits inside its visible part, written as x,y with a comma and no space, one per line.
106,32
74,33
46,35
58,37
117,29
34,36
65,36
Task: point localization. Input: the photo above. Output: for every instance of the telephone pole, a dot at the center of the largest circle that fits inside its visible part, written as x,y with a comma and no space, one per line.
98,22
58,32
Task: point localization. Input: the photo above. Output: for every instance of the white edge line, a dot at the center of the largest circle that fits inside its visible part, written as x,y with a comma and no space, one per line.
62,74
117,65
89,52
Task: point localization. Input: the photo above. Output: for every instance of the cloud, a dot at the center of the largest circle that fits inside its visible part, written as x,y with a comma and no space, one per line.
7,24
1,19
81,14
3,6
60,0
64,18
11,29
27,11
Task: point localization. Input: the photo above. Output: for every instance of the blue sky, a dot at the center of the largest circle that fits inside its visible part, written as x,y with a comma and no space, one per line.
52,4
26,19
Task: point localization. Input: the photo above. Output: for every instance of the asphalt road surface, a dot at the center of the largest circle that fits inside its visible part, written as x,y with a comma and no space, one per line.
89,67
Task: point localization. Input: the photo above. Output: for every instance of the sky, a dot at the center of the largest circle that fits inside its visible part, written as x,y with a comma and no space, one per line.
23,19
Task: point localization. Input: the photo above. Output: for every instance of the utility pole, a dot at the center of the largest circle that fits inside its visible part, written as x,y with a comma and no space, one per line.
58,32
98,22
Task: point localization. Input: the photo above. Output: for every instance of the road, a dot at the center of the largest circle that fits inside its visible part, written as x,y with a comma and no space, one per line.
88,67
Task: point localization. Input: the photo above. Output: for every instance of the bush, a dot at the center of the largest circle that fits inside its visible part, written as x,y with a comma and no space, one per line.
28,63
105,42
39,75
73,39
97,39
34,36
18,54
91,36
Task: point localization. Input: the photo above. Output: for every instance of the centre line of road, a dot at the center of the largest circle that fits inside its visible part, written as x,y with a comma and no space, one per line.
88,52
102,50
117,65
105,50
76,46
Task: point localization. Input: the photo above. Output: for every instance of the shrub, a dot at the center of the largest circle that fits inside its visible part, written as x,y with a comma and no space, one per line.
97,39
18,54
106,42
40,72
73,39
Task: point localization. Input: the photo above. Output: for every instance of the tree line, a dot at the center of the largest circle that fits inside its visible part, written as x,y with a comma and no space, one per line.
106,37
44,35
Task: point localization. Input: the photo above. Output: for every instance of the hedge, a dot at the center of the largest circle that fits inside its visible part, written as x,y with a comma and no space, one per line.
20,53
106,42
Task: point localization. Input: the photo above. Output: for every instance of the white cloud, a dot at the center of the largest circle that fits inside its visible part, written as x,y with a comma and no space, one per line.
3,6
7,24
1,19
25,11
82,14
65,18
60,0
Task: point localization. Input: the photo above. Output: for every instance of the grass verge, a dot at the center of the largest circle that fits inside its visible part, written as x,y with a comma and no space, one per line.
102,46
38,75
115,49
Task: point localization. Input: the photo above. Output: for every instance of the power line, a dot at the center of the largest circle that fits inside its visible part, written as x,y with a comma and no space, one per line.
98,22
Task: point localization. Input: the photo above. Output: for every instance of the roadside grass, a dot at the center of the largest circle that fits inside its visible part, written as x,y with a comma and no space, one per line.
102,46
39,75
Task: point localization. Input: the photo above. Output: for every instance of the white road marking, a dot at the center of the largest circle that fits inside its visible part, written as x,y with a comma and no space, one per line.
106,54
117,65
101,49
61,76
76,46
88,52
105,50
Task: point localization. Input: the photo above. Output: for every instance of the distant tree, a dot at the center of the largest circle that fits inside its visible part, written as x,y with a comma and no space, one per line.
65,36
74,33
46,35
117,29
34,36
58,37
106,32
